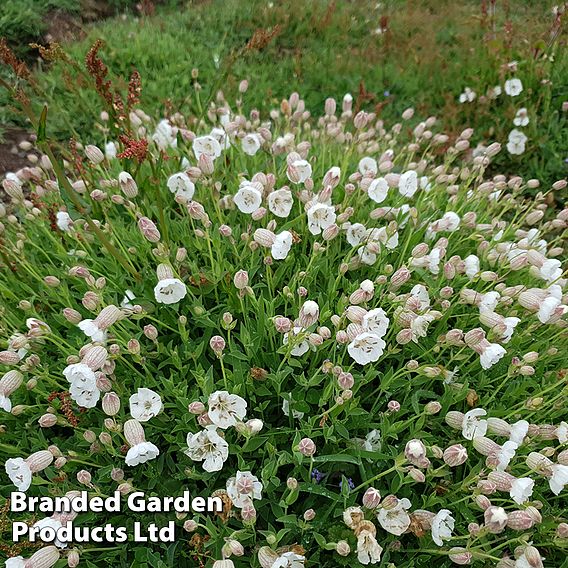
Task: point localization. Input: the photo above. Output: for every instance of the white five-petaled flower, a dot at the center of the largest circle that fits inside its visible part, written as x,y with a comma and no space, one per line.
369,551
243,488
376,321
356,234
468,96
251,144
207,145
302,170
209,447
64,221
559,478
395,520
472,426
83,389
408,183
521,490
92,330
300,346
170,291
378,190
248,198
521,118
226,409
366,348
145,404
516,142
282,245
506,454
368,165
280,202
141,453
320,217
513,87
286,408
19,473
442,526
289,560
181,186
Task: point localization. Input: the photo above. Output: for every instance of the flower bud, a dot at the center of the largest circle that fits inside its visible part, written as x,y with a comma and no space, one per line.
342,548
84,477
455,455
47,420
149,230
307,447
38,461
371,498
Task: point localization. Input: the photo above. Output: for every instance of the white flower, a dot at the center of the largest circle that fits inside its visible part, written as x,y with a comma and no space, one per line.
243,488
141,453
207,145
170,291
372,442
280,202
420,292
221,136
408,183
289,560
164,135
282,245
489,301
207,446
248,198
518,431
80,375
521,490
320,217
376,321
491,354
471,265
472,426
442,526
396,520
513,87
286,409
251,144
303,169
368,165
92,330
19,473
559,478
419,326
468,96
551,269
226,409
84,397
300,347
145,404
366,348
127,300
15,562
5,403
356,234
64,221
521,118
378,190
368,549
516,143
180,185
506,454
54,524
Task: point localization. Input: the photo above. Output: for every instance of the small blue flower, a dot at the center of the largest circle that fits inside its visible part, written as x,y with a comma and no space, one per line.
350,484
387,93
317,475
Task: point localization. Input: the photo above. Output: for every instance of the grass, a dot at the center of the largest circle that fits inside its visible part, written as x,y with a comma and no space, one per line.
425,55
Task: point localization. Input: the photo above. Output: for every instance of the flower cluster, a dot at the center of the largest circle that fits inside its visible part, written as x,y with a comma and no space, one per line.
354,334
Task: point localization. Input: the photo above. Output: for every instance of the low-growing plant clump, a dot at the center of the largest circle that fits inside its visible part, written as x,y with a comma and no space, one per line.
344,329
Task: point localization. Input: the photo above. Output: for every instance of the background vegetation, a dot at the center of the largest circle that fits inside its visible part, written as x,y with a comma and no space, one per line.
389,55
